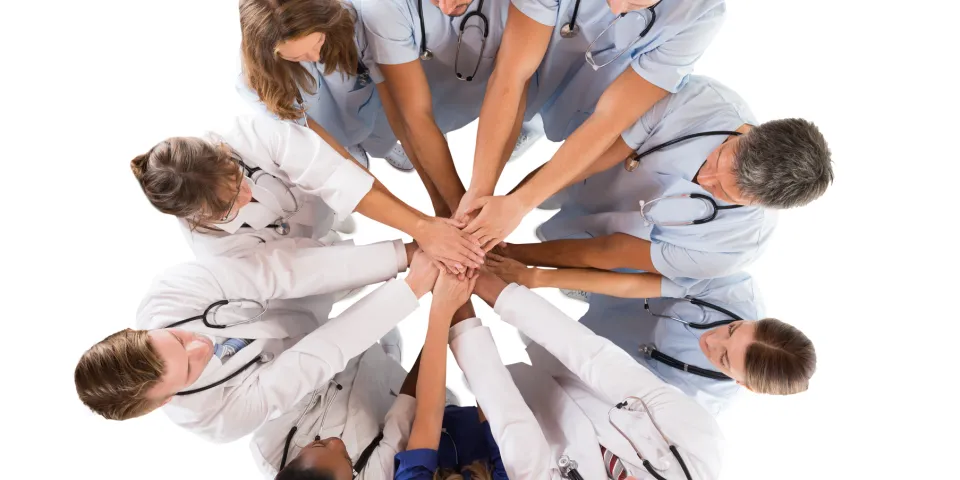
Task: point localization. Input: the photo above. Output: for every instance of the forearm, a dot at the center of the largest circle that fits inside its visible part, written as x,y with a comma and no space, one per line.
608,252
431,383
409,386
382,206
330,140
433,153
614,284
503,105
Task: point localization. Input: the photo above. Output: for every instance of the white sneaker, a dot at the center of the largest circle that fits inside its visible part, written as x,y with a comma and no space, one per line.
392,344
398,159
576,295
360,154
525,140
346,226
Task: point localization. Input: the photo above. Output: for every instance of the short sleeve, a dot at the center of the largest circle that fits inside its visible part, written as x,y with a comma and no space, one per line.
544,12
671,289
390,31
668,65
415,464
675,262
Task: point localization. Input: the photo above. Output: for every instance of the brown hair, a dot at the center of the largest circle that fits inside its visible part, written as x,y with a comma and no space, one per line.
187,177
781,359
113,376
478,471
265,24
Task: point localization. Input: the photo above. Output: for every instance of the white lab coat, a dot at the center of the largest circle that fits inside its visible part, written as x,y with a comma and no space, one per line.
576,377
294,361
326,185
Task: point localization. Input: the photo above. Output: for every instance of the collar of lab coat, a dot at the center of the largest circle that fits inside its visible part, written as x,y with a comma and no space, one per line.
274,326
368,405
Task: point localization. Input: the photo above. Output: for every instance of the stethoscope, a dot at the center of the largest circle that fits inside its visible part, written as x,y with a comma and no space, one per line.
633,161
280,225
571,29
427,54
363,79
568,466
361,460
652,352
211,312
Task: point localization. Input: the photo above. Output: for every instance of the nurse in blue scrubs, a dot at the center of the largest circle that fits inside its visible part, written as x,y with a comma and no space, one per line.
571,53
310,63
704,339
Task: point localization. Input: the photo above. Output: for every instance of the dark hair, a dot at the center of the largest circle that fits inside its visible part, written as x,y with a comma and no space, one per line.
113,376
296,470
783,163
265,24
187,177
781,359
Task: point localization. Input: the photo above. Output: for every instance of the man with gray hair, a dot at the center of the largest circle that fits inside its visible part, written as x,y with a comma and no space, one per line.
689,191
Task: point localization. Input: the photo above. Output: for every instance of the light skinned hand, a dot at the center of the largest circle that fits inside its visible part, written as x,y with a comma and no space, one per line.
510,270
443,239
422,275
461,215
450,293
499,216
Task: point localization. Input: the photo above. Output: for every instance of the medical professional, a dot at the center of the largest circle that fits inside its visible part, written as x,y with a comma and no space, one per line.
261,180
595,69
436,57
602,414
308,61
703,339
691,191
222,350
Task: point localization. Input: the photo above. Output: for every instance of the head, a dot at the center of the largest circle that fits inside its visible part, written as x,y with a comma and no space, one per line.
779,164
279,34
192,179
478,471
325,459
133,372
765,356
452,8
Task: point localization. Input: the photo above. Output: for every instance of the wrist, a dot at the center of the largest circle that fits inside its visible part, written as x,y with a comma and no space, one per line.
410,249
532,277
526,199
417,285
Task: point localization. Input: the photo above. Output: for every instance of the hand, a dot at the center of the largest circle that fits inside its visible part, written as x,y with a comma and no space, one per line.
450,293
499,216
510,270
443,240
461,215
623,6
488,287
423,274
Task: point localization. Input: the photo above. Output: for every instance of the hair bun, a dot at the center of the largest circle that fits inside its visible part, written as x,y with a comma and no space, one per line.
139,165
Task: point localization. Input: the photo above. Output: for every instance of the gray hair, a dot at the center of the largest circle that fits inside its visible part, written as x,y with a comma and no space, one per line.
783,163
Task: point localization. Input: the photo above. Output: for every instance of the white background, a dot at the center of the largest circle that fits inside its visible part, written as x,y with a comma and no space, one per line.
868,271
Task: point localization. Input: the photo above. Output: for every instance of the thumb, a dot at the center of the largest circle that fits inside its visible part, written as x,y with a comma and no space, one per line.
451,221
476,204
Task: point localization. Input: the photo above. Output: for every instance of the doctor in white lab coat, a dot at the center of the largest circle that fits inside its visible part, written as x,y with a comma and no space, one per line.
223,383
260,179
594,403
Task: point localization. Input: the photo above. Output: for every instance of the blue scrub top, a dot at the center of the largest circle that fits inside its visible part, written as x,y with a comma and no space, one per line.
565,89
393,30
463,441
346,106
625,322
608,202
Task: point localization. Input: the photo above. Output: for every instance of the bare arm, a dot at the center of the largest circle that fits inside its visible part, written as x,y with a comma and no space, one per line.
608,252
522,48
408,86
617,153
614,284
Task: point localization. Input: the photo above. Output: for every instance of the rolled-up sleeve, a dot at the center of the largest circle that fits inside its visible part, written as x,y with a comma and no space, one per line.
668,65
678,262
390,31
543,12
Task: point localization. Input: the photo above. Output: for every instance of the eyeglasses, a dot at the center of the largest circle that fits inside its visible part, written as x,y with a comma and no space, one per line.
231,213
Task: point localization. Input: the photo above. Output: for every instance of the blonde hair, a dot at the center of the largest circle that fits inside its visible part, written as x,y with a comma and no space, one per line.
478,471
113,376
781,359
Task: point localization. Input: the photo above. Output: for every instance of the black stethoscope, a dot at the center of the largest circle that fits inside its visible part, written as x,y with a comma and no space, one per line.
211,312
280,225
427,54
571,29
568,466
652,352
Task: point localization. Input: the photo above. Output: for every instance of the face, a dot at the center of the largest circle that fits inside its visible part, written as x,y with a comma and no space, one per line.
329,454
240,197
303,49
452,8
184,355
622,6
726,347
717,177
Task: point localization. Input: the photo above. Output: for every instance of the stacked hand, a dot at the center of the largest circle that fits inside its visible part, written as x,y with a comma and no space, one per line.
496,217
510,270
444,240
451,292
423,273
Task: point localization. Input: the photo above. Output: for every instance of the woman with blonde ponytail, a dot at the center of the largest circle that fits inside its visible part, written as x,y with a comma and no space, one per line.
308,61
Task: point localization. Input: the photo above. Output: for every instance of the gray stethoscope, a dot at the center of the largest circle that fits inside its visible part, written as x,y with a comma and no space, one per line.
633,161
652,352
210,313
427,54
571,29
280,225
568,466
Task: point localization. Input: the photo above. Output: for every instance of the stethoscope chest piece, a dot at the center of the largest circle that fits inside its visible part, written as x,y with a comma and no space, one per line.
632,162
426,54
569,30
283,228
266,357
